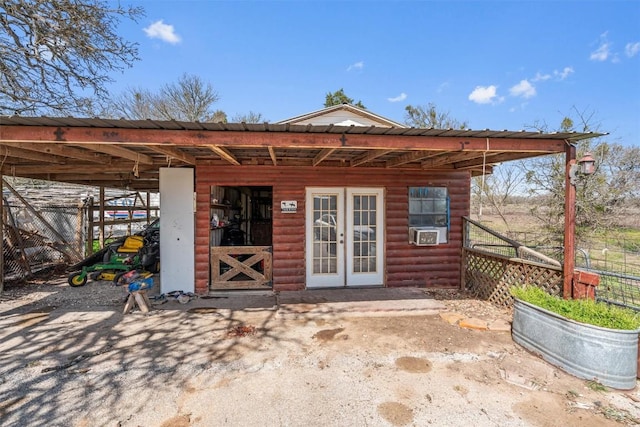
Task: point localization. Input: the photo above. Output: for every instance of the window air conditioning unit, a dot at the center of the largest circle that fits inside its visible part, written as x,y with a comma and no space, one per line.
424,236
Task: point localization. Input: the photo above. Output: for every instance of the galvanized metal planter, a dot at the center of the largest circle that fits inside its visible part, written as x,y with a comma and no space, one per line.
608,356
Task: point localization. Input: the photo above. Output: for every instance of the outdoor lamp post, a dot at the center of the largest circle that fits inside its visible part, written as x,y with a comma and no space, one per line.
585,166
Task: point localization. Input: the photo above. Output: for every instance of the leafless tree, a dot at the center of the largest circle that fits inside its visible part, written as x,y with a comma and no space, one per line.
250,117
58,55
498,190
189,99
428,116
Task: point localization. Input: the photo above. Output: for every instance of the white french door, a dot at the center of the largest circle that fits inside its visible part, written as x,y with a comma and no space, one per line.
344,237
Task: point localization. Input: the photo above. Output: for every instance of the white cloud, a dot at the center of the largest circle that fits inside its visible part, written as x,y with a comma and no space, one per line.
398,98
566,71
558,75
485,95
603,51
356,66
523,89
541,77
601,54
632,49
162,31
442,87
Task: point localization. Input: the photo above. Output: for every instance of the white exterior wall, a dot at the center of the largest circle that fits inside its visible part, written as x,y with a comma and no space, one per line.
341,118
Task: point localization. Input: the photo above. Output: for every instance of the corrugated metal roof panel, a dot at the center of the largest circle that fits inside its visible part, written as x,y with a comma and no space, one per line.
291,128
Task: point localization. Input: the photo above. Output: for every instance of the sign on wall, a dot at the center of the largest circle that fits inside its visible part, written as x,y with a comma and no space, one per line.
288,206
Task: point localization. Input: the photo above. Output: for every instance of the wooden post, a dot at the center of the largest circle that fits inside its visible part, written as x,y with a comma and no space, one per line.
148,204
79,227
1,237
90,223
569,223
101,219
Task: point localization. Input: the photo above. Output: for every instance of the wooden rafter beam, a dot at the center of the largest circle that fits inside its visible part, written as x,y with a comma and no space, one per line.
224,153
174,152
215,138
94,178
272,154
118,151
76,168
368,157
447,159
64,151
413,156
138,184
491,158
478,171
8,151
323,154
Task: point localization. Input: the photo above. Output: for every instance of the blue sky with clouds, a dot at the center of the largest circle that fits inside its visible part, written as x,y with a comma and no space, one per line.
498,65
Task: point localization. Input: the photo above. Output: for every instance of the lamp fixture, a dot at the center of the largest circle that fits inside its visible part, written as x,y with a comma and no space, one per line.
586,166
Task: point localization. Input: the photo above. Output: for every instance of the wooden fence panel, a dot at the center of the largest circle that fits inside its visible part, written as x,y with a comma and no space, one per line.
491,276
241,267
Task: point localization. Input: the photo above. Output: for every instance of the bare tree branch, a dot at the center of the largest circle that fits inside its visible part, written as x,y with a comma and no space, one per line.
58,54
190,99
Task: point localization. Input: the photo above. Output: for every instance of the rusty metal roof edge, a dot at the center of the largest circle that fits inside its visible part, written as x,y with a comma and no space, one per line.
290,128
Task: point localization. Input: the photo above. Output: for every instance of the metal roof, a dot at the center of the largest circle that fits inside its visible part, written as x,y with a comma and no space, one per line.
97,151
285,127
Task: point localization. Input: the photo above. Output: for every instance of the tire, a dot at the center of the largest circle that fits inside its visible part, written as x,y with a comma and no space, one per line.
155,267
77,279
117,280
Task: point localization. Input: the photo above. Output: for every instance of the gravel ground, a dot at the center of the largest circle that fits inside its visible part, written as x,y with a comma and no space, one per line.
69,357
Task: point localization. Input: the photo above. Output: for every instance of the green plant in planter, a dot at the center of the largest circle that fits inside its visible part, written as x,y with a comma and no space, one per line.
580,310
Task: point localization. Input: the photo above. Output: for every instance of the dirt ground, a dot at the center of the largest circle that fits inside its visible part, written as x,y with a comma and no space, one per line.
69,357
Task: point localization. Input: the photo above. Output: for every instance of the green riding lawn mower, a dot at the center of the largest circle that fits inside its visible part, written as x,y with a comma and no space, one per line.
137,252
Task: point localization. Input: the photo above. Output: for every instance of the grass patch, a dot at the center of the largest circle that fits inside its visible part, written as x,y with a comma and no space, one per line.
580,310
596,386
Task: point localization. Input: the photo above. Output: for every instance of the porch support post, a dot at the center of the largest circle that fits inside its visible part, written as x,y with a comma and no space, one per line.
569,223
101,220
1,236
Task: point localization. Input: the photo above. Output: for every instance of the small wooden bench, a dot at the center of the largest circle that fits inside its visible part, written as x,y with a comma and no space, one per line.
138,295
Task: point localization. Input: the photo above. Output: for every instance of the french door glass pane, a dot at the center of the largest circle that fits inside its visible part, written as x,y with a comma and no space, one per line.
324,234
364,234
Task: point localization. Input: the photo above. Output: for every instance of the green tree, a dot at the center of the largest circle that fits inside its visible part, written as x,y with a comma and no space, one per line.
603,198
427,116
339,97
189,99
57,55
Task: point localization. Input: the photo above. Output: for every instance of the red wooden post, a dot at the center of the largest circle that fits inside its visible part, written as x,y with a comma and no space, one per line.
584,285
569,223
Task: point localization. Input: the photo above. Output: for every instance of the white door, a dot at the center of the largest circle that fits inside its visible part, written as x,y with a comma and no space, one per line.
344,237
177,267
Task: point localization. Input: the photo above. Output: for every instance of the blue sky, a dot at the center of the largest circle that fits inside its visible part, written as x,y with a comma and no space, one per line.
497,65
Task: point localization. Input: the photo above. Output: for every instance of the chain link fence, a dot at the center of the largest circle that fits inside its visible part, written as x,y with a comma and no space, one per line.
616,260
41,233
35,240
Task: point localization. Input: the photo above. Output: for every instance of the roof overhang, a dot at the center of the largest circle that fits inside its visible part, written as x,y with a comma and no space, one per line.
125,153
